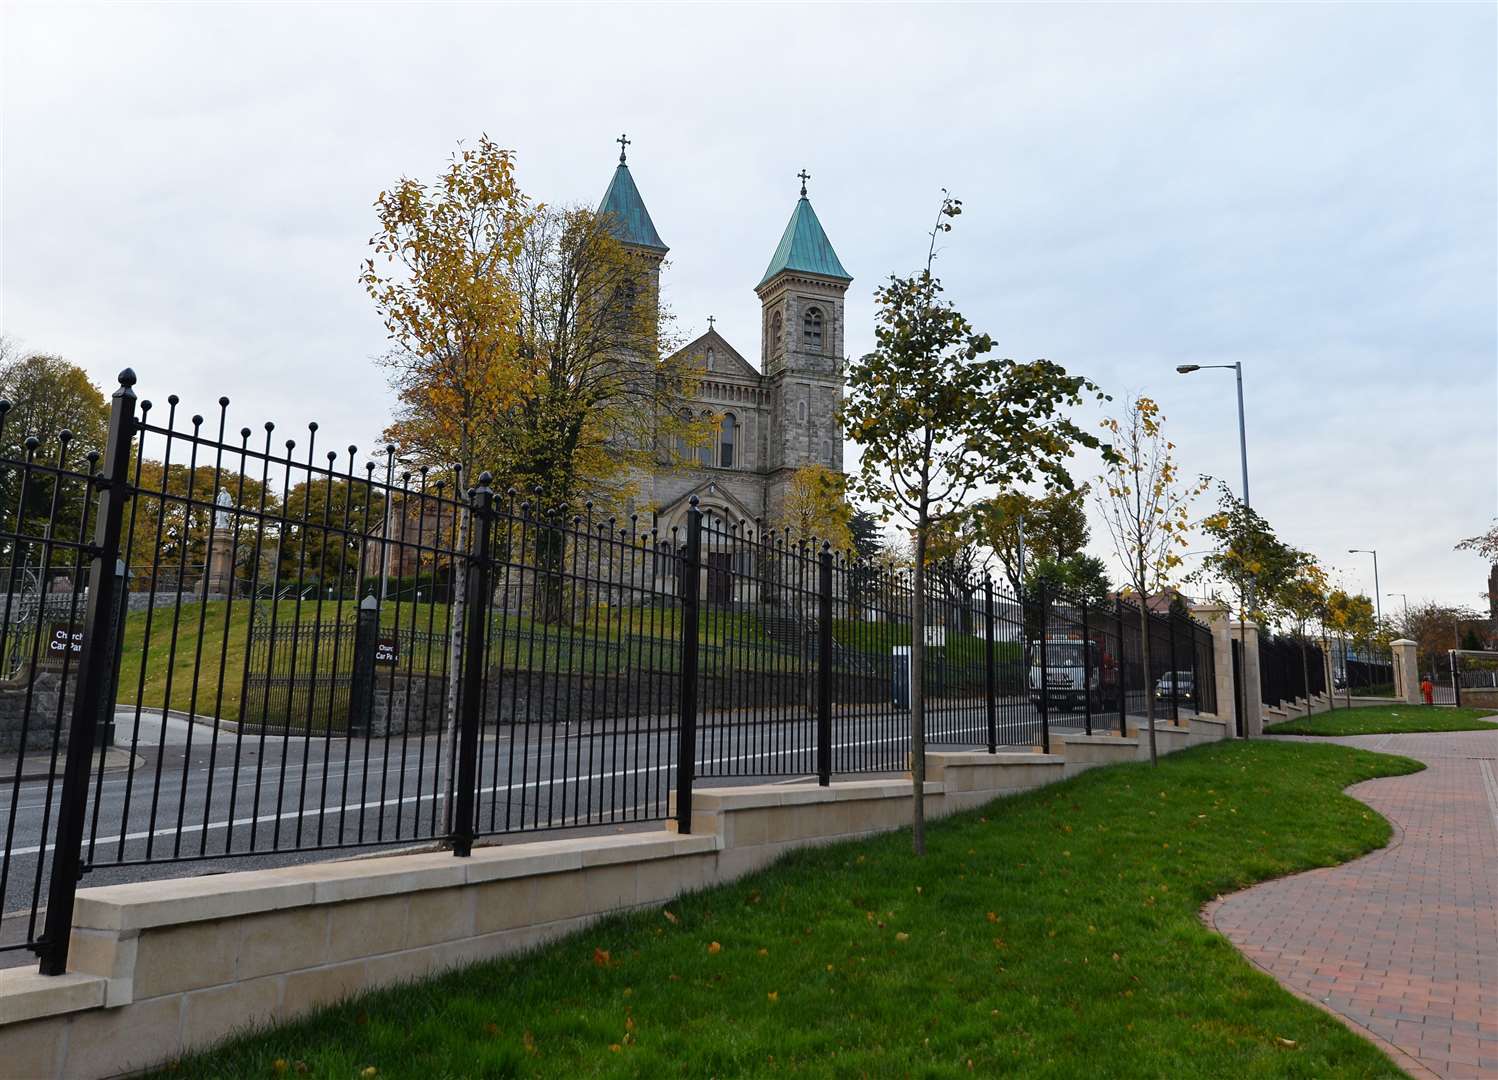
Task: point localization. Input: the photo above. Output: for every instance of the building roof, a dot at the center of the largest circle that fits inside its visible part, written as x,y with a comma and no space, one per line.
804,247
628,219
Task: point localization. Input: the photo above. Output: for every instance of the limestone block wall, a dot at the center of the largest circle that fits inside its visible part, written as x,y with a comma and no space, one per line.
159,968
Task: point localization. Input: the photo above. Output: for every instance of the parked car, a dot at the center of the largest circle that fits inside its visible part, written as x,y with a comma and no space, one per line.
1180,683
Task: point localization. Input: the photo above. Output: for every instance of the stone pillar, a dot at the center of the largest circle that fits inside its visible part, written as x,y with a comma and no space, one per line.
1216,616
218,575
1253,695
1406,671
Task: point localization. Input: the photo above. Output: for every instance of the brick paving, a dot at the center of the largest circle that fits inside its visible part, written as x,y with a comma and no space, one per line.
1402,942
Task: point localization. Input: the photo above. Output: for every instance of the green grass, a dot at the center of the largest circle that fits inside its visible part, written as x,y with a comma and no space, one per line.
1054,934
1380,719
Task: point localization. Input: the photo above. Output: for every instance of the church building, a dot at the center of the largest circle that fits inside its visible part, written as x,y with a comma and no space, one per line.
772,417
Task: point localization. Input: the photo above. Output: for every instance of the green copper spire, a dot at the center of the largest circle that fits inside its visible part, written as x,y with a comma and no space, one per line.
803,246
628,219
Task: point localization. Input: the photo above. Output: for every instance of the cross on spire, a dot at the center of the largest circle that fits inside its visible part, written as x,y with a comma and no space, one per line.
623,141
804,176
710,320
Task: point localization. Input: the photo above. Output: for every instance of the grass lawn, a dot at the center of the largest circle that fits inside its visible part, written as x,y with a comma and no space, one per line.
1051,934
1380,719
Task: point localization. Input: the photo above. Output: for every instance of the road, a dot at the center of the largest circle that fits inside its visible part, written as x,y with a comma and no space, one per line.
201,800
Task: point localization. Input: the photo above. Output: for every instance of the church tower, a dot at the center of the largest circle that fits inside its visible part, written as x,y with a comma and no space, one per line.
801,300
629,222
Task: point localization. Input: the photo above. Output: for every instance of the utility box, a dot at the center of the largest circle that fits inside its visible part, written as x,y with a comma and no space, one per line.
900,680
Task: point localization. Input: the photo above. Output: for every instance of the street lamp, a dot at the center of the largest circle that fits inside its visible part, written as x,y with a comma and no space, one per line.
1377,601
1187,369
1406,600
1237,368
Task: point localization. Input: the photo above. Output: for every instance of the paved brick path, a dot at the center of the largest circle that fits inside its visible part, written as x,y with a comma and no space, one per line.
1403,942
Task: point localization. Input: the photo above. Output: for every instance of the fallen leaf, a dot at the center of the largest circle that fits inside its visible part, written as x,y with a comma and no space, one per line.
671,917
714,949
614,1048
279,1066
992,917
902,936
773,995
600,958
764,952
369,1072
1285,1042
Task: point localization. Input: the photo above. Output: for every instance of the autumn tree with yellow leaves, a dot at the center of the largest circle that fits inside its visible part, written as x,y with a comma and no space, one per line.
816,509
1146,507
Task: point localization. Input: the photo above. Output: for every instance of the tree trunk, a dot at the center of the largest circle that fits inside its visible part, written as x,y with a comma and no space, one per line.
456,598
918,695
1149,689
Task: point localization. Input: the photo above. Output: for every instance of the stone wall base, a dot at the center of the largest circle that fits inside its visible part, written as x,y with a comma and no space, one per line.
164,967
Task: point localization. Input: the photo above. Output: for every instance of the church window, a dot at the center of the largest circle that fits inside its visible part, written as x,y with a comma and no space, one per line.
705,452
624,308
801,412
774,333
811,328
726,437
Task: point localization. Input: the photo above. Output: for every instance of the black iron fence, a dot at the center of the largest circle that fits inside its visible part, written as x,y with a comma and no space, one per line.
470,664
1291,670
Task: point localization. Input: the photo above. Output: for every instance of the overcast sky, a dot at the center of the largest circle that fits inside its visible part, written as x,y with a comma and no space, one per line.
1308,189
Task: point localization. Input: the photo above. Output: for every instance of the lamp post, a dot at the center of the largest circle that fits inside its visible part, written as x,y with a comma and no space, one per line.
1378,610
1406,600
1237,369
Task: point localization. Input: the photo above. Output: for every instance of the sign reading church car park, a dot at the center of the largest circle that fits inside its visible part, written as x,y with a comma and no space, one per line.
387,651
64,640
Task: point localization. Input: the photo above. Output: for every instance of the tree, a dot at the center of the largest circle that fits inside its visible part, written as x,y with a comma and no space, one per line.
816,509
448,301
168,524
1146,508
1248,556
1052,525
1084,578
1485,544
1302,599
44,397
1350,616
594,402
1435,628
937,417
446,295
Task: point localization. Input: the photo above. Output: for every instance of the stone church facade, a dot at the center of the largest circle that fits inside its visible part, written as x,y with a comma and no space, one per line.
772,415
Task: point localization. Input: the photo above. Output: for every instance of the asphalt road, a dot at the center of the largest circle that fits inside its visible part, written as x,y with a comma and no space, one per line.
195,793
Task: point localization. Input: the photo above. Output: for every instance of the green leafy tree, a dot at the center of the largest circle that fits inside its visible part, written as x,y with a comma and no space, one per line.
44,397
1145,505
937,417
1083,578
1051,526
1303,601
1248,557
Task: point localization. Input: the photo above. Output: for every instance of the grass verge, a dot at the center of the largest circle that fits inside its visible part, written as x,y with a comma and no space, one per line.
1053,934
1383,719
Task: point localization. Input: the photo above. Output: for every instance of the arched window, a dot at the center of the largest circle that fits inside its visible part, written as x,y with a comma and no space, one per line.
705,452
624,306
774,342
726,437
801,412
811,328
